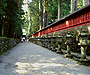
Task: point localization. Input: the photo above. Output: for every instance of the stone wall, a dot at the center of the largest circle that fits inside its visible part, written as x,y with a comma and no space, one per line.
7,43
74,32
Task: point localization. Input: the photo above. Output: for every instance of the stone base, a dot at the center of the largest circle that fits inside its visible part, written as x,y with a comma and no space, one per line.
51,48
54,49
83,62
68,56
43,45
59,52
46,46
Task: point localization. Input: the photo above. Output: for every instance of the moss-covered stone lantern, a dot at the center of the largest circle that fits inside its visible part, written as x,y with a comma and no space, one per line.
46,40
51,44
59,44
39,40
69,42
54,43
35,40
49,41
83,42
43,40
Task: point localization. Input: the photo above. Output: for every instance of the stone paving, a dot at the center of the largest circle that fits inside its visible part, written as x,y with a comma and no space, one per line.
31,59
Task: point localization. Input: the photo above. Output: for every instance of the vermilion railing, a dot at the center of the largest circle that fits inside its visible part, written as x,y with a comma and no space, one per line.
78,18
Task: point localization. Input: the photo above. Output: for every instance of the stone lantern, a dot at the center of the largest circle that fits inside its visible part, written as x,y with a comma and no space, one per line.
39,40
54,43
33,40
59,44
43,41
49,42
69,42
46,40
36,40
83,42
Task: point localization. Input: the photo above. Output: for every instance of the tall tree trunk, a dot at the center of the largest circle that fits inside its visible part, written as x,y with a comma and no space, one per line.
0,25
31,24
45,19
45,15
3,23
59,9
86,2
5,26
41,14
73,5
10,28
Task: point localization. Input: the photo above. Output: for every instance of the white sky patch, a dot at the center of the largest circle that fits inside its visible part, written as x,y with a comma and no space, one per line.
30,0
25,6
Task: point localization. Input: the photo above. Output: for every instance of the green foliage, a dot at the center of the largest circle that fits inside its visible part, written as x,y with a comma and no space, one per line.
79,4
34,14
53,10
3,37
3,5
10,18
52,7
65,7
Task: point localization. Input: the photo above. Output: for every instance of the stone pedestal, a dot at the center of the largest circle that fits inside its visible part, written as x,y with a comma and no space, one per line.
53,43
69,42
68,52
83,43
49,43
59,51
83,52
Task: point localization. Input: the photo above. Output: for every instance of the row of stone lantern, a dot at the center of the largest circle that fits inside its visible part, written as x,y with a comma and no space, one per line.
51,42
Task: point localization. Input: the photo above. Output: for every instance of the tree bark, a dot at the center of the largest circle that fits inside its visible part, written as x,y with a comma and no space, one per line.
45,15
5,26
41,14
59,9
10,28
3,23
0,25
73,5
86,2
31,23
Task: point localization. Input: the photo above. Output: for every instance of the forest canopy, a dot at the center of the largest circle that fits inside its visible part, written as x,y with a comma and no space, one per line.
40,13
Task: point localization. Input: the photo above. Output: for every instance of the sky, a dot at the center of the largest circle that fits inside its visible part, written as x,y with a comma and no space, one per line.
25,6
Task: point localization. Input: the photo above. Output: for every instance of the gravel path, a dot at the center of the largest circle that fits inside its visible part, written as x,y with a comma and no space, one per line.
31,59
